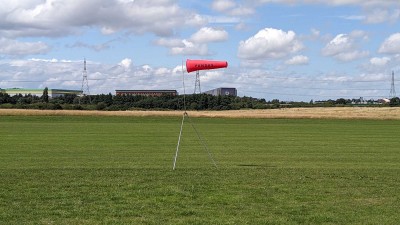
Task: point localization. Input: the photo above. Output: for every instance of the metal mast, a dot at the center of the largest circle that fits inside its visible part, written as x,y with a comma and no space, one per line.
392,88
197,88
85,82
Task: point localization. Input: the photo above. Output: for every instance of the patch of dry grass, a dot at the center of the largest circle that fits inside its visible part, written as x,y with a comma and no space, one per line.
385,113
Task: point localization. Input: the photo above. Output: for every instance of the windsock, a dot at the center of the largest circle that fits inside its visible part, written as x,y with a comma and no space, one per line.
195,65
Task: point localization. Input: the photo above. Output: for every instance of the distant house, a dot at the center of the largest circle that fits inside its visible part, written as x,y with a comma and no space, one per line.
39,92
222,91
384,101
153,93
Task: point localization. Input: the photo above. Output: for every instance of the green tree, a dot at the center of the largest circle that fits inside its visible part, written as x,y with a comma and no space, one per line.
4,98
341,101
275,101
394,101
45,96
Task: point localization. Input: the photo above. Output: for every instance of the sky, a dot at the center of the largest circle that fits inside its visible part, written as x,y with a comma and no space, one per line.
291,50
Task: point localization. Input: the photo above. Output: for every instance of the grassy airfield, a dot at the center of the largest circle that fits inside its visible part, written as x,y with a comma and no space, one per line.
118,170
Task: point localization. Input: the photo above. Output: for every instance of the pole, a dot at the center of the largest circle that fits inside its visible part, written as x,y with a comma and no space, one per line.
179,141
185,114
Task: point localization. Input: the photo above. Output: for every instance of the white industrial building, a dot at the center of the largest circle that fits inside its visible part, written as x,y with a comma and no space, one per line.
39,92
222,91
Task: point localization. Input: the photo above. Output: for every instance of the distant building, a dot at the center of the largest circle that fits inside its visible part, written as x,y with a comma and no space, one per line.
384,101
222,91
39,92
153,93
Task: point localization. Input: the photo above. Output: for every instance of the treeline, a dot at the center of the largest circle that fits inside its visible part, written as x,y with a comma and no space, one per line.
131,102
166,102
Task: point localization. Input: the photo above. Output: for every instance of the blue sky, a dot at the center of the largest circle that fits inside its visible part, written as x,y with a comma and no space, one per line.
284,49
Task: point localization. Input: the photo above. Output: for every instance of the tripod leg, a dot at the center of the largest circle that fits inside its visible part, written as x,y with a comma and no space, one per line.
203,142
179,141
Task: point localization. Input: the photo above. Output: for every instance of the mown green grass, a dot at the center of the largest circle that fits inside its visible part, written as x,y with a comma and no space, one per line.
118,170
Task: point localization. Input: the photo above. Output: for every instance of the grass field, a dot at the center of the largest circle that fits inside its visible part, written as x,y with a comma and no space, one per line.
118,170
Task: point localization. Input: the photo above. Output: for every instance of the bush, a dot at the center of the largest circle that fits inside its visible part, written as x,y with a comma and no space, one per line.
394,102
101,106
118,108
77,107
7,106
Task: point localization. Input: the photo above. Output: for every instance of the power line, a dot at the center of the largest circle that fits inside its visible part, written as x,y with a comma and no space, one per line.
310,88
89,79
309,95
227,81
302,95
315,80
265,77
264,92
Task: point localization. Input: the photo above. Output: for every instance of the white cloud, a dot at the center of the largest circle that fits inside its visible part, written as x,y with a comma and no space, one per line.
241,26
377,16
183,47
379,61
359,34
298,60
269,43
337,45
47,60
147,68
103,78
262,83
170,42
374,11
126,63
343,47
315,33
196,44
391,45
162,71
16,48
242,11
380,15
354,17
222,19
21,18
364,3
209,34
396,15
94,47
179,69
210,76
351,56
230,7
222,5
190,48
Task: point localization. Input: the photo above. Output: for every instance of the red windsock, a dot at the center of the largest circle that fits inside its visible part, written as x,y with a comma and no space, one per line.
195,65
